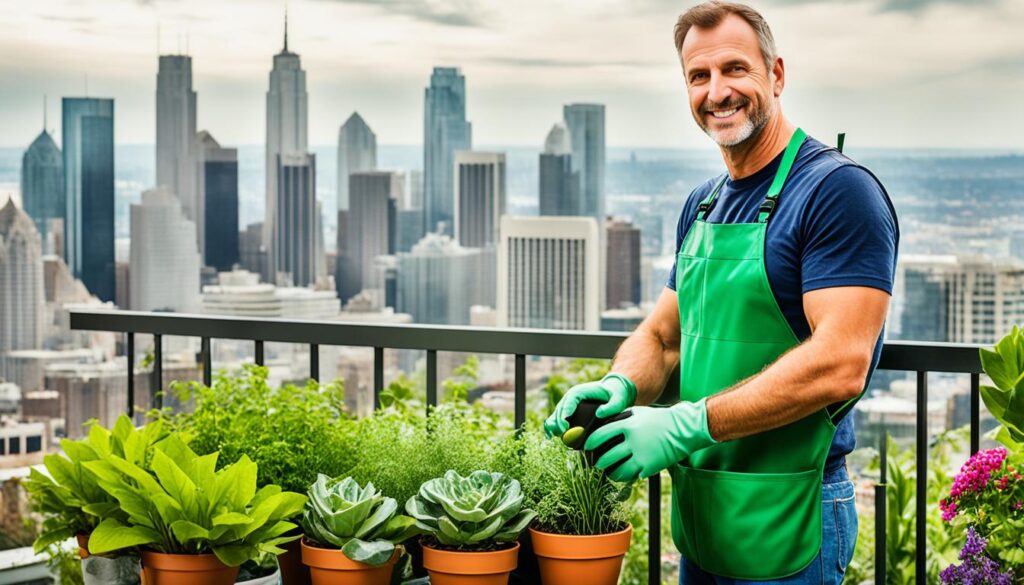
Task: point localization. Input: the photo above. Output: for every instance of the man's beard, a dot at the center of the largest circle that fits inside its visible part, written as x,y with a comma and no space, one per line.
755,121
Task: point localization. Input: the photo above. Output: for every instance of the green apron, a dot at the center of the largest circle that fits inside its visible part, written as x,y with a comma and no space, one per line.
749,508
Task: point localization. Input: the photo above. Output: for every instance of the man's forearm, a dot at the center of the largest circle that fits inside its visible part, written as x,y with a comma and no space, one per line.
647,362
804,380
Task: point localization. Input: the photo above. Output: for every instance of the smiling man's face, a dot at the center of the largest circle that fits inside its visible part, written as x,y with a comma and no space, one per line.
732,93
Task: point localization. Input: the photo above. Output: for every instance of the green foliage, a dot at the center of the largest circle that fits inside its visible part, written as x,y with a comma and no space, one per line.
178,503
401,394
464,378
1004,364
361,522
291,433
472,512
570,497
68,496
65,564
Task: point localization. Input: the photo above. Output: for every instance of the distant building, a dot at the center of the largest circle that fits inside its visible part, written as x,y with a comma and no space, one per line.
626,319
90,391
408,229
176,148
438,281
357,151
296,232
164,270
370,224
241,294
622,282
445,130
27,367
960,299
88,143
218,185
586,125
287,112
548,273
10,398
251,254
480,200
559,184
22,295
42,188
22,444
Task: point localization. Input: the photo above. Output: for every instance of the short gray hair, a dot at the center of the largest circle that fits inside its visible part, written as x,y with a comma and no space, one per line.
710,14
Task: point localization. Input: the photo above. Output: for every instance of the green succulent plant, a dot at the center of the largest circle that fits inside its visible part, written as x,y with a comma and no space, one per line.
471,513
362,522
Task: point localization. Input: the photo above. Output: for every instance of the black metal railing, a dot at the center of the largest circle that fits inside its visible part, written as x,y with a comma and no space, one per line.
921,358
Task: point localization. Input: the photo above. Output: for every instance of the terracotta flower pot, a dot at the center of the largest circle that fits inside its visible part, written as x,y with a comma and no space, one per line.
83,545
164,569
293,571
331,567
571,560
448,567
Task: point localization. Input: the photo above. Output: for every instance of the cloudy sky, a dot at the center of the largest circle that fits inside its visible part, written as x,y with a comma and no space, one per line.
891,73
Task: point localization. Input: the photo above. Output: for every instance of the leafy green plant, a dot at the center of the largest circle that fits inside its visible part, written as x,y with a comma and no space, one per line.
68,496
181,504
1004,364
477,512
291,432
65,564
360,521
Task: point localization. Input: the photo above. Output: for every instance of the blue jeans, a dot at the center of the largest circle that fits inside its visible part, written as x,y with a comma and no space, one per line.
838,537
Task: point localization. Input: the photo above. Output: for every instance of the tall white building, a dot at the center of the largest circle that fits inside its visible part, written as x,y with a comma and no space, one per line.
176,147
439,280
585,123
286,130
958,298
241,294
164,261
22,296
370,227
548,273
480,200
357,151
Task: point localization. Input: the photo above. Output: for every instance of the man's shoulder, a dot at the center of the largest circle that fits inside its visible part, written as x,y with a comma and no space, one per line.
831,172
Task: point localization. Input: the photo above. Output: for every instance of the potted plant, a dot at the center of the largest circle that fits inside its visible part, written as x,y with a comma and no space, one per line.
581,533
193,523
471,525
72,503
352,533
292,432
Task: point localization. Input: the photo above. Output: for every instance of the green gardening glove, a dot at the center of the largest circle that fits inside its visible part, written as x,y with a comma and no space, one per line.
616,390
653,439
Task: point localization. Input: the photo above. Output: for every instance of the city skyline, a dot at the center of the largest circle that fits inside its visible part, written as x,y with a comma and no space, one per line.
522,65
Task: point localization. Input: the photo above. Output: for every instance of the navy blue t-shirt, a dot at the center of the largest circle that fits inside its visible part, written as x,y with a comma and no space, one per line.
834,225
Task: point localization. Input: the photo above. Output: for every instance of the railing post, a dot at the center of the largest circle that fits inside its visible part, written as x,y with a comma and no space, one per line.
920,552
431,378
258,356
378,375
520,390
881,502
314,362
975,413
207,361
156,398
130,354
654,530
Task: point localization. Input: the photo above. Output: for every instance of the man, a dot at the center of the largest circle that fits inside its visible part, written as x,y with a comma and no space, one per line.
774,314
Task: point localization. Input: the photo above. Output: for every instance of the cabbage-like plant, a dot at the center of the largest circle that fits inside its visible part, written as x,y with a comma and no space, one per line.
362,522
470,513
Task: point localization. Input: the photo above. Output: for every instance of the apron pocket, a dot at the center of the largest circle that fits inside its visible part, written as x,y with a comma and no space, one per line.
757,526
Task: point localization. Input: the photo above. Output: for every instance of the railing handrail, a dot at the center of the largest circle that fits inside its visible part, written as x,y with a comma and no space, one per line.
896,355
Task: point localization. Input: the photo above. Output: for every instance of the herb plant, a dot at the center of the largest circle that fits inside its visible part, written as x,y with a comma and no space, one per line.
476,512
361,522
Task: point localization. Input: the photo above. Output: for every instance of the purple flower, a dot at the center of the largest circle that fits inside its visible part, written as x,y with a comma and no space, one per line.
976,569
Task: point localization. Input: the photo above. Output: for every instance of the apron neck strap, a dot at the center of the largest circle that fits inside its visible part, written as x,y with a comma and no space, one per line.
781,175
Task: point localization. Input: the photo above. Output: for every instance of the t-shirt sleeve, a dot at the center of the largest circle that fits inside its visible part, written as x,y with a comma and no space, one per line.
850,233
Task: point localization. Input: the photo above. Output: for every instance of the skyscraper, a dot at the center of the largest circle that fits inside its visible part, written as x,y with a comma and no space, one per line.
295,231
585,123
623,271
357,151
479,197
22,296
176,149
218,185
370,224
42,186
559,185
439,280
548,273
88,142
286,131
445,130
164,265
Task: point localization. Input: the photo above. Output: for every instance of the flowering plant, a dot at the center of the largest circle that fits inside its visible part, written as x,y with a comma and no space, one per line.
977,569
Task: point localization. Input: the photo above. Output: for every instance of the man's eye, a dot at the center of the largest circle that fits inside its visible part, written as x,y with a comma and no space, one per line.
698,76
737,69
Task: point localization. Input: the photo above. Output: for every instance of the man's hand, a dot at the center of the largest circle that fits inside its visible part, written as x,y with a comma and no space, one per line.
653,439
616,390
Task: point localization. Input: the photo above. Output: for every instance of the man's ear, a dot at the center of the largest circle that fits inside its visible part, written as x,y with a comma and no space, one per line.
779,73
